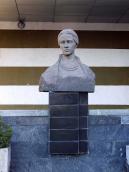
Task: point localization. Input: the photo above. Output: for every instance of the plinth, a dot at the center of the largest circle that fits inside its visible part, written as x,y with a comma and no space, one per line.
68,129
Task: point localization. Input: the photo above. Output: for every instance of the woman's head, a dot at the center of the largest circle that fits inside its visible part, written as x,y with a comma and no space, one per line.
69,32
68,41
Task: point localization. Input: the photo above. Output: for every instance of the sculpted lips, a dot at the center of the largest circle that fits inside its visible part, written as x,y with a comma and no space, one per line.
66,50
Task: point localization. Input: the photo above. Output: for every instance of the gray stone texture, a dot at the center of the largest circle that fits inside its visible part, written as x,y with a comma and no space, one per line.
107,145
125,119
57,78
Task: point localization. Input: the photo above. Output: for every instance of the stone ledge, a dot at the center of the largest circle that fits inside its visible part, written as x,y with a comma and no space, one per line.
116,112
24,112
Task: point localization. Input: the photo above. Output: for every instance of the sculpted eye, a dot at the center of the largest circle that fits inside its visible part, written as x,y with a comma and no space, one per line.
69,41
62,42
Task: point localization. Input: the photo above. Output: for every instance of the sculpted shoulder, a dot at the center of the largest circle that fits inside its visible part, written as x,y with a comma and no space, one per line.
48,78
88,71
51,71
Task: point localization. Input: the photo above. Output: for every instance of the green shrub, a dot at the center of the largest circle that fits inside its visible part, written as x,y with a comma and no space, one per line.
5,134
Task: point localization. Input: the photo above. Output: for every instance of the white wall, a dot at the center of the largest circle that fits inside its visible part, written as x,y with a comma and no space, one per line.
37,57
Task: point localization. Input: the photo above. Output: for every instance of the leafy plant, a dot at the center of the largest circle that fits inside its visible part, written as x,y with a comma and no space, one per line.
5,134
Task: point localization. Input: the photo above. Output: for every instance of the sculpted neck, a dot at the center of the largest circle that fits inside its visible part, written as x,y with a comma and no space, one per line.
69,62
68,58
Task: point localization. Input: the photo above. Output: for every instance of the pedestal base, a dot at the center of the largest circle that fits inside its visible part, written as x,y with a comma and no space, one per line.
68,122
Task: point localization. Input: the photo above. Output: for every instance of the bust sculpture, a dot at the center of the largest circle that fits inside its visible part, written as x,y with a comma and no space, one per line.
68,73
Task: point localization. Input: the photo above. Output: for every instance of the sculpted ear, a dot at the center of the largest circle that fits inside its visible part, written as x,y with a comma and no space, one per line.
76,45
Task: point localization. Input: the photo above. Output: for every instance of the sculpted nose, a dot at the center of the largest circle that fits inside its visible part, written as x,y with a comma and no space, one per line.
66,45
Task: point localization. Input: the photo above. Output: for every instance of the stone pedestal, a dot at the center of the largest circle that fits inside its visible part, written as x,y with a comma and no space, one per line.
68,133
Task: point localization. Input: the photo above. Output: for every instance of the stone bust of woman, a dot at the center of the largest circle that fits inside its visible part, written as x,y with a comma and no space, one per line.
68,73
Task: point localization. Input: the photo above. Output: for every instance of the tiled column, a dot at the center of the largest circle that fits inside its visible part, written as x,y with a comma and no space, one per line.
68,122
83,122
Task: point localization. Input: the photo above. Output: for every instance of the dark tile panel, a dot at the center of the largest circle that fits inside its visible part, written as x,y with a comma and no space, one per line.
63,98
83,147
64,147
83,110
83,122
83,134
64,110
83,98
64,123
64,135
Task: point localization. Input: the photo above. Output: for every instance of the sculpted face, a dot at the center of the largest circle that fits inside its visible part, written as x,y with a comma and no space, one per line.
67,44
